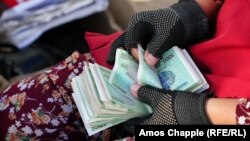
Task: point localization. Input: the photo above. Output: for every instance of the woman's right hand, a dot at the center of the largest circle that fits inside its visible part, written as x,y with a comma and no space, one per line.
159,30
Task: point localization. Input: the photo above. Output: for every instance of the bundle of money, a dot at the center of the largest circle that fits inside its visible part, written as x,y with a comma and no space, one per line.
100,104
175,71
103,96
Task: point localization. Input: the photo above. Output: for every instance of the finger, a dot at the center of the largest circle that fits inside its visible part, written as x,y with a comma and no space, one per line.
149,94
158,45
138,33
134,89
150,59
119,42
144,94
134,52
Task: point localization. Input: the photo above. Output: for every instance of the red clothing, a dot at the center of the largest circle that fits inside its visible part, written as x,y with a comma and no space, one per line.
223,59
99,46
35,106
11,3
242,112
41,107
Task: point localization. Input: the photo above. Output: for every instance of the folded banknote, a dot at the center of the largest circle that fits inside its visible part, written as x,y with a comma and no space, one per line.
175,71
103,96
100,104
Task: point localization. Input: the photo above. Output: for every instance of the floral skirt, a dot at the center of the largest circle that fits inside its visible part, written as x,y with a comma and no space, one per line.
41,107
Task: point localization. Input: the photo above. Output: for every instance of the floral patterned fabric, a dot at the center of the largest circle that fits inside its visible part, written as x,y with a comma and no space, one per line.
41,107
243,112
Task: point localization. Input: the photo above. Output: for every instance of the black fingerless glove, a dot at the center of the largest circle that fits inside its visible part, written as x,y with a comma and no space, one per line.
174,107
170,108
158,30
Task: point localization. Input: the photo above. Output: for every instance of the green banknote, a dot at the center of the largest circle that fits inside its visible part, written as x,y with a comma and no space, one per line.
174,71
98,126
123,98
103,96
124,72
101,104
146,74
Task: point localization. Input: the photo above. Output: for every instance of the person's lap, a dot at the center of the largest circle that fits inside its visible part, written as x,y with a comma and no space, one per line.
41,106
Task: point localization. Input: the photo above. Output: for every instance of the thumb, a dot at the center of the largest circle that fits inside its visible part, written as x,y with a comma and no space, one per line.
134,89
117,43
150,59
145,94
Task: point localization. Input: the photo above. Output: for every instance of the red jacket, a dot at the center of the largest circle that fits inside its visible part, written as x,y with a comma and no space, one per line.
223,59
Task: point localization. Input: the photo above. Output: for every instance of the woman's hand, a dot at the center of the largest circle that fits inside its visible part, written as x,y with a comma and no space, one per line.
169,107
159,30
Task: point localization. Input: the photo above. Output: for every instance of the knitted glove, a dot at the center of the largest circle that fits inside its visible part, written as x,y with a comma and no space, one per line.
158,30
171,108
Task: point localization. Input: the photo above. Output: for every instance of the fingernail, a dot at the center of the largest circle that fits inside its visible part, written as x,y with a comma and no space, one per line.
151,60
134,88
134,52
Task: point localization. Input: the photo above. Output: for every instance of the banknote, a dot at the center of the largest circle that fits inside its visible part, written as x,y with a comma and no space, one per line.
147,75
92,93
177,71
99,126
203,83
124,72
121,97
103,96
101,104
174,71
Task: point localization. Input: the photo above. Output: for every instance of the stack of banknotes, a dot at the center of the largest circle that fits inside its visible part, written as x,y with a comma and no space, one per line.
103,96
101,104
175,71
